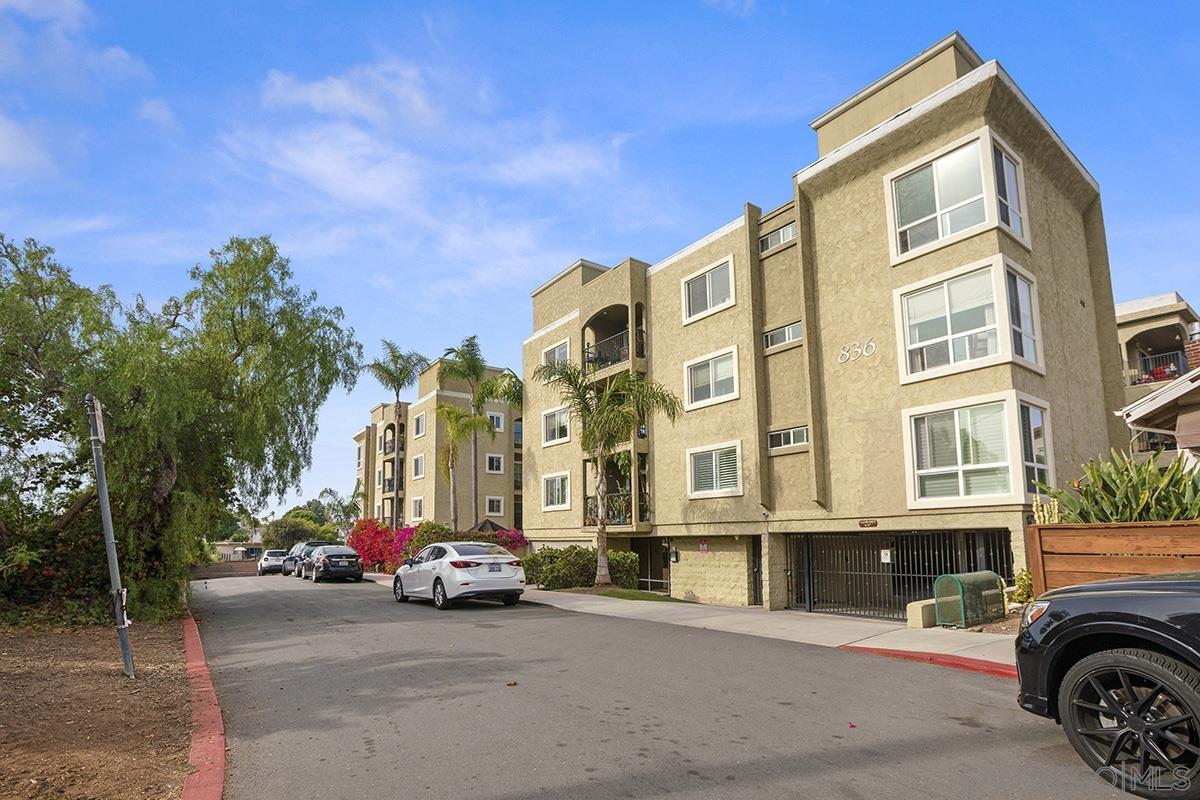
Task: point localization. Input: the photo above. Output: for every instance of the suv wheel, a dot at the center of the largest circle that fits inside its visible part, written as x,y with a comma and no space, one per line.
511,599
1133,716
440,601
398,590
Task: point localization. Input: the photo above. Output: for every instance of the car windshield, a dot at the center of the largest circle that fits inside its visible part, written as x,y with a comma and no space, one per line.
339,551
275,553
480,550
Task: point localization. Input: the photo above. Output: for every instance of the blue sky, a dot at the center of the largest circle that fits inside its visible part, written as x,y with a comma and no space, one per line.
447,158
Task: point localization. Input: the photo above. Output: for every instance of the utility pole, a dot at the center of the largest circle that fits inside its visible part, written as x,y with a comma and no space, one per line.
96,420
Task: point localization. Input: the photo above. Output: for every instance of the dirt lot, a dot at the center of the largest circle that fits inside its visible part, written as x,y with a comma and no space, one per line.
72,726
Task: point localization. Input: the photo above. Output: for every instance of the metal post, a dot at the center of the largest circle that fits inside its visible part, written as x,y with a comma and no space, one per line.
96,420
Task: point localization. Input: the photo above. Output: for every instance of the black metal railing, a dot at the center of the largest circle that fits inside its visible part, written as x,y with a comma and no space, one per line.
1151,442
618,504
614,350
389,484
518,440
1159,367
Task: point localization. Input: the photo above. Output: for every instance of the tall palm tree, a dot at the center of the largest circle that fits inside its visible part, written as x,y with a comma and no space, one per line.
507,387
607,414
458,424
397,370
465,363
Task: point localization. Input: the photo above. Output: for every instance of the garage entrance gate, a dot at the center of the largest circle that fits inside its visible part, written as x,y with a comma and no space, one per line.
879,574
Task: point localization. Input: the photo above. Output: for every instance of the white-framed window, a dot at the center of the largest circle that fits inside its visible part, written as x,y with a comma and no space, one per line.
418,508
788,437
708,290
379,476
419,425
777,237
379,448
711,378
418,464
496,420
1022,316
358,456
556,492
378,511
557,353
939,198
495,506
962,452
715,470
493,464
784,335
951,322
1035,452
556,426
977,315
1010,190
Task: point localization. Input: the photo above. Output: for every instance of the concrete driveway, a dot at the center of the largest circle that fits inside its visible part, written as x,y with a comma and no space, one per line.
335,690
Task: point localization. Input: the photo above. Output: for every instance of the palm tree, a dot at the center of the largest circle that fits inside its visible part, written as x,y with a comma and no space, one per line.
458,424
342,511
465,363
397,370
507,387
607,413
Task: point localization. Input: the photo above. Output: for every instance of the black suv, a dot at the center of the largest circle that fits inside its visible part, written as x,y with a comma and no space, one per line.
1117,664
300,551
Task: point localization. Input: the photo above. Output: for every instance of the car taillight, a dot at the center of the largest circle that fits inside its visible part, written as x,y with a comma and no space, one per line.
516,563
464,564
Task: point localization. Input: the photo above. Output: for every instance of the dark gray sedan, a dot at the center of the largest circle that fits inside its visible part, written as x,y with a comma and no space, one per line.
332,561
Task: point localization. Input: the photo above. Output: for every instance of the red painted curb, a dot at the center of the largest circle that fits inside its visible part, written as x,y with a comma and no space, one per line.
208,738
994,668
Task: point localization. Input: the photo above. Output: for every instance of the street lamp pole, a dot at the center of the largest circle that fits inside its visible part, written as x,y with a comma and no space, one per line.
96,420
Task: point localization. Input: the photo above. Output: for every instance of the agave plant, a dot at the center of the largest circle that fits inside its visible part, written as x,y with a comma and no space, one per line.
1123,489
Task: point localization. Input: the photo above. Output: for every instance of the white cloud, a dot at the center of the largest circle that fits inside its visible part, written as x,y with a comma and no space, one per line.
158,112
558,162
738,8
337,159
68,14
21,152
375,93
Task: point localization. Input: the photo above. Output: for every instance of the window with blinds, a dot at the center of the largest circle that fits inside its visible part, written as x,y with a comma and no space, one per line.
555,494
716,471
951,322
712,379
556,426
961,453
708,292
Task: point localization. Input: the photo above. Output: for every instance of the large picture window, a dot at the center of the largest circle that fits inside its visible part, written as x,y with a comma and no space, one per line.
951,322
939,199
961,452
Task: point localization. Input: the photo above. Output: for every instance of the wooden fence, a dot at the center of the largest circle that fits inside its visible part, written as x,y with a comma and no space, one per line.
1062,555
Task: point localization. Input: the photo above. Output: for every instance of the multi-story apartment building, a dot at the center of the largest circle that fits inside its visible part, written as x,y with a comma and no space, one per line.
1157,338
874,372
410,451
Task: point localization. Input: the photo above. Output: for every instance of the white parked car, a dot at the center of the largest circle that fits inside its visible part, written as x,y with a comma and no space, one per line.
452,571
271,561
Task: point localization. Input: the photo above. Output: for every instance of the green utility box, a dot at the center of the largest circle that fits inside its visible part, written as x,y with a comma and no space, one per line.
968,598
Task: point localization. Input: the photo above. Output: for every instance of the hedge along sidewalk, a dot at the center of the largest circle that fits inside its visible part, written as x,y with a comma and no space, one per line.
992,653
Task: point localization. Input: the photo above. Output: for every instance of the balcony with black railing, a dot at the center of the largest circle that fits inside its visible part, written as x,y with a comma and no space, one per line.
1159,367
389,484
619,505
614,350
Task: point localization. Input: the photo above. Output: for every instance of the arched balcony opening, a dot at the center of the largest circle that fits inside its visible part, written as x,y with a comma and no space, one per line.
607,339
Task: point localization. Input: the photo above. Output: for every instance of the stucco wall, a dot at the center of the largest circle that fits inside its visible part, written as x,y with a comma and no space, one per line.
720,576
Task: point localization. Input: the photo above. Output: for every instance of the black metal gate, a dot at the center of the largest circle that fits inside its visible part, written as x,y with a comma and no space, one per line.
879,574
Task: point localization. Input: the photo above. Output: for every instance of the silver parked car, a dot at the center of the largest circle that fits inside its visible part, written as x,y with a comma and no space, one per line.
271,561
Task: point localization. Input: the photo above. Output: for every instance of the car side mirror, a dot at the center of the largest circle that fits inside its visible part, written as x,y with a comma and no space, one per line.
408,562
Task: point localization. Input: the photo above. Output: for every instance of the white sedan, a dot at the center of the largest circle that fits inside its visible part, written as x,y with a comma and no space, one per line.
451,571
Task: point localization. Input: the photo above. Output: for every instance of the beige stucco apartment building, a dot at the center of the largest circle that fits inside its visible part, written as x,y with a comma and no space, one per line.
410,452
874,372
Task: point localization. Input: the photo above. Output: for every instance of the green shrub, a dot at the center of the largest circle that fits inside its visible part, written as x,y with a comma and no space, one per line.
1024,584
574,566
1122,489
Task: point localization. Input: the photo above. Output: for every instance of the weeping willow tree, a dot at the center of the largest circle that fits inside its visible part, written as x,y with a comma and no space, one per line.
210,401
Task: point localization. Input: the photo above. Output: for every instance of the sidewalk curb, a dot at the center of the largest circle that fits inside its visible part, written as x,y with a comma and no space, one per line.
993,668
208,739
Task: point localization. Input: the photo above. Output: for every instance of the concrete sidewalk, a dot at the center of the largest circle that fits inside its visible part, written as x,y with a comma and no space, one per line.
826,630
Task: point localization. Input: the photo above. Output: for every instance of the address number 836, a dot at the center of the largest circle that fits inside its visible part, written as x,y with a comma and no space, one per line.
855,350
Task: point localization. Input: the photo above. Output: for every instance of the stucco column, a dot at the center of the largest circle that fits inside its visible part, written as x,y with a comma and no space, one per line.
774,577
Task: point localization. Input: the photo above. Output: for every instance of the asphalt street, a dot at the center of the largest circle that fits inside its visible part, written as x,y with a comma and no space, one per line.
337,691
